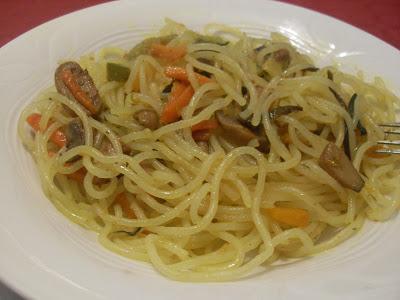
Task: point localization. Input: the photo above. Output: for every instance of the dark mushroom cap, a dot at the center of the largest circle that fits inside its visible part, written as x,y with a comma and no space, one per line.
335,162
148,118
74,133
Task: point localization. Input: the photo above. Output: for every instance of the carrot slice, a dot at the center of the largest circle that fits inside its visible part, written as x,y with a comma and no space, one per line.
205,125
57,137
201,135
177,89
78,175
80,95
181,74
202,131
371,151
122,200
34,120
179,98
167,52
295,217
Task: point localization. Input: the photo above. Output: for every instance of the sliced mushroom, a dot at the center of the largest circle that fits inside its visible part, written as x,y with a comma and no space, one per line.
85,93
75,133
244,132
282,56
97,138
147,118
233,130
335,162
106,147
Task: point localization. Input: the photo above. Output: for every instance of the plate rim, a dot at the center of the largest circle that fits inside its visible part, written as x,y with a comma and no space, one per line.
14,283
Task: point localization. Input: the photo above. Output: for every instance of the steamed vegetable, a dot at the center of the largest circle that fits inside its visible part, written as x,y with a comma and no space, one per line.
58,137
123,202
295,217
116,72
181,74
78,175
202,131
144,46
205,125
147,118
179,98
168,53
201,135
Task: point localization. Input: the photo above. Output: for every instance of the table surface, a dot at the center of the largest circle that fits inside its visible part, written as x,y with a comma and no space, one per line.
380,18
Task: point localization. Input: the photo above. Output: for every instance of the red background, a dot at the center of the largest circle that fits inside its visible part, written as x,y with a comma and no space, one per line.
379,17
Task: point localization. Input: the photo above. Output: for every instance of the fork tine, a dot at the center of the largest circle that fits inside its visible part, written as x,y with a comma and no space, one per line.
393,143
390,128
392,132
395,125
387,151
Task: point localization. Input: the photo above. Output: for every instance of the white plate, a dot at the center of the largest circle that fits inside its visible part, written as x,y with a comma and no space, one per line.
44,256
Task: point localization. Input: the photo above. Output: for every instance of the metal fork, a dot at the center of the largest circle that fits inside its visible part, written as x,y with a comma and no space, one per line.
390,129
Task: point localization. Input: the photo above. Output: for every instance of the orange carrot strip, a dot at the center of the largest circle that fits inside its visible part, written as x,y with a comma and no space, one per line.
78,175
201,135
181,74
295,217
172,109
177,89
57,137
34,120
167,52
136,84
371,151
205,125
77,92
122,200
